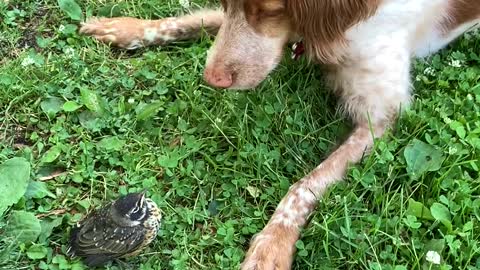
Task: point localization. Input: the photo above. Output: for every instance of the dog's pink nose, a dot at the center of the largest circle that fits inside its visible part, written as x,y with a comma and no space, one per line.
218,77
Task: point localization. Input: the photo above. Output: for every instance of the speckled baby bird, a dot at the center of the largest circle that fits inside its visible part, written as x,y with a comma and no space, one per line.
117,230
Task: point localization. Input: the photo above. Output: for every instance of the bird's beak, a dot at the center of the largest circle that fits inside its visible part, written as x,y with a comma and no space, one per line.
143,194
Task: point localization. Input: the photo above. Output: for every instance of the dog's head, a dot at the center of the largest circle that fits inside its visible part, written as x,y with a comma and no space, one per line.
251,40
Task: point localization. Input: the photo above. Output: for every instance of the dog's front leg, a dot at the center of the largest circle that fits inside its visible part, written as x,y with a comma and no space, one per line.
131,33
273,248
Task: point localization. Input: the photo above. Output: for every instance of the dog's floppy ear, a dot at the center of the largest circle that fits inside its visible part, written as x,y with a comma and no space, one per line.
322,23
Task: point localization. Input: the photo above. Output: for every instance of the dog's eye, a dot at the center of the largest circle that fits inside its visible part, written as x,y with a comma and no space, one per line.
224,4
264,11
271,12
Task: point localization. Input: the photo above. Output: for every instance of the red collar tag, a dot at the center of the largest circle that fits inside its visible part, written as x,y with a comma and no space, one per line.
298,49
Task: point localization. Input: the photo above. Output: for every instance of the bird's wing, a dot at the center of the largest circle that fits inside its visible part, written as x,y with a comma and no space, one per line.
100,236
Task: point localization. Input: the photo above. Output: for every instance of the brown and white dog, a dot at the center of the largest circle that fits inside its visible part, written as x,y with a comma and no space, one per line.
368,45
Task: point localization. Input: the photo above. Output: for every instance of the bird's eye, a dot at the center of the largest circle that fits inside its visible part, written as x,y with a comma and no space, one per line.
135,210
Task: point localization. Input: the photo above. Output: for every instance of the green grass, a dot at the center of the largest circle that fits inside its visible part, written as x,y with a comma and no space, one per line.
216,162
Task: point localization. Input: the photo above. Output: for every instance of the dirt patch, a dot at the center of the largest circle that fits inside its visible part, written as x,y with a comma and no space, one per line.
15,136
28,40
30,29
3,48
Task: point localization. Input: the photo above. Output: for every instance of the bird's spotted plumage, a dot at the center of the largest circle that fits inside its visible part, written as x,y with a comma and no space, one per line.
119,229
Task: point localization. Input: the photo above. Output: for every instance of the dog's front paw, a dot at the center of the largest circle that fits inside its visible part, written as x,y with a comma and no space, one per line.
272,249
126,33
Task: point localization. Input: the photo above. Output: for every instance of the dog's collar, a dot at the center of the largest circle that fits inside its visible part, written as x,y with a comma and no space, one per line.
298,49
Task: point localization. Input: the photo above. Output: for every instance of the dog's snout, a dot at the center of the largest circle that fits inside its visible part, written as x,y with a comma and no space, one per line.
219,76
